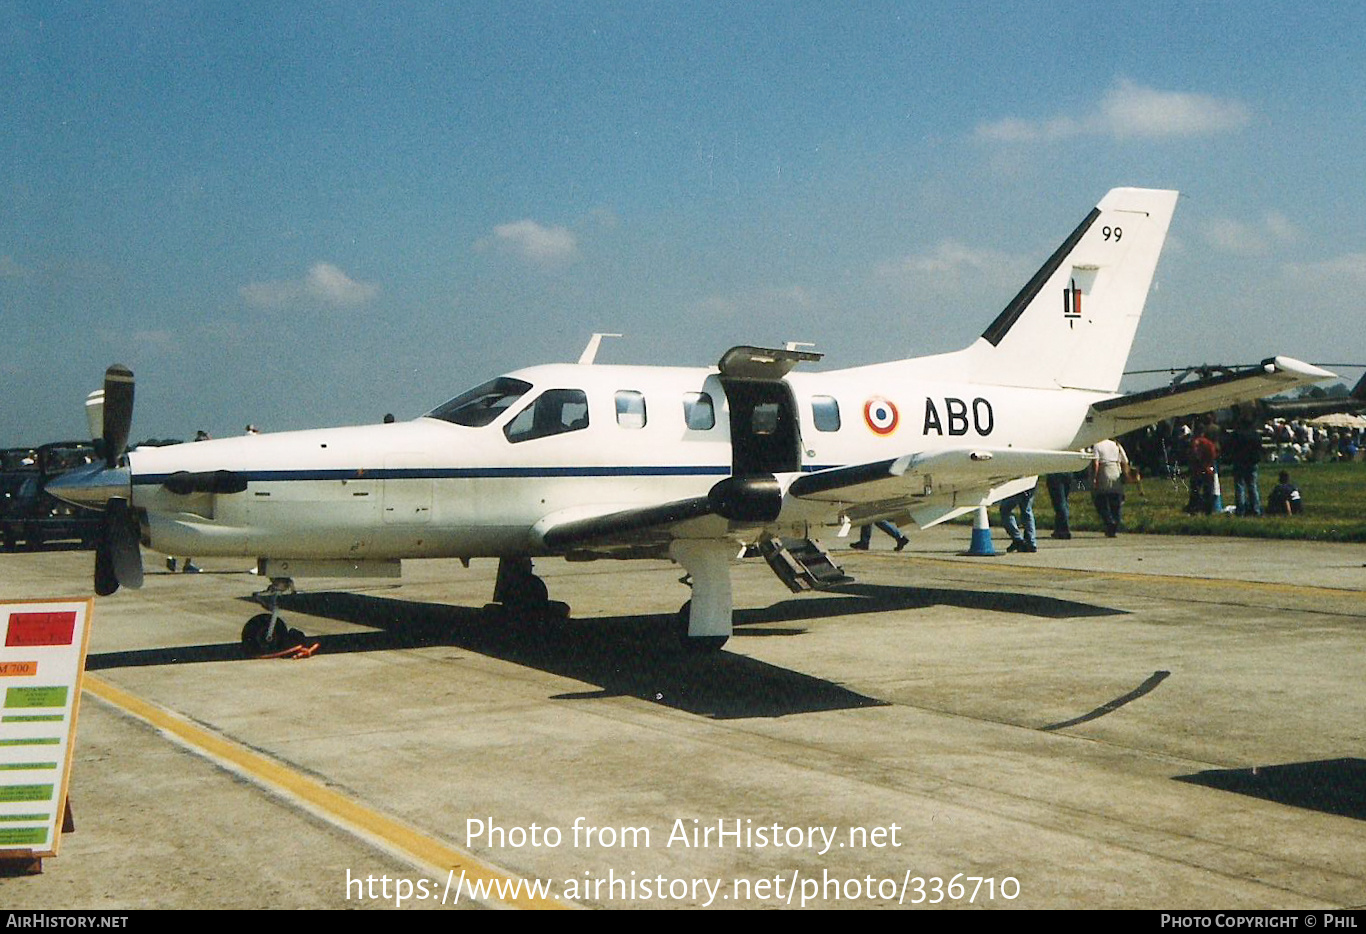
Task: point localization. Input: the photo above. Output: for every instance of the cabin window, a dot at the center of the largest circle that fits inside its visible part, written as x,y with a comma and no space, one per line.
825,413
698,412
555,412
763,419
630,408
483,404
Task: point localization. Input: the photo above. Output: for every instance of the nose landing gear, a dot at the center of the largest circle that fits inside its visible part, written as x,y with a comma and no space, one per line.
266,633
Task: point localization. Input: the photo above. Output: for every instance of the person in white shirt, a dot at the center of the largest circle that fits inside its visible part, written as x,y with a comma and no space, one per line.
1108,468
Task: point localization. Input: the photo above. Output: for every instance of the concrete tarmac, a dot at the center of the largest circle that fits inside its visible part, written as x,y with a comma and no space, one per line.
1140,722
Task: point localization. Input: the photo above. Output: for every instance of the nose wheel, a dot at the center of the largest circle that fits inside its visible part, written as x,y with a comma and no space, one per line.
266,633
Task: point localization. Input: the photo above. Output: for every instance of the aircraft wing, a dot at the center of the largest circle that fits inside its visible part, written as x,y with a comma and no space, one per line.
607,528
1273,375
930,486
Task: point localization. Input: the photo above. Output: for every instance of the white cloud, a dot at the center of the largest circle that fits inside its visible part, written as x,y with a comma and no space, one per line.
329,284
950,264
323,284
1350,269
159,339
536,242
1249,238
755,303
1129,111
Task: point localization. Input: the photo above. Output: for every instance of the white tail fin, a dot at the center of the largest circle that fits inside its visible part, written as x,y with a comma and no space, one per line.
1072,325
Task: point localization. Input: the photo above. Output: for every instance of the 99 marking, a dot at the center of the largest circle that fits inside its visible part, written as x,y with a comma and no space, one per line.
1112,233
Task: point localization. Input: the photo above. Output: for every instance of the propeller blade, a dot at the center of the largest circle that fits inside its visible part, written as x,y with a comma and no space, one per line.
94,413
125,554
106,581
118,412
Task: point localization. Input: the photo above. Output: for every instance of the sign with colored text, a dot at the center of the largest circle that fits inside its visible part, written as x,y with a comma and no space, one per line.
42,660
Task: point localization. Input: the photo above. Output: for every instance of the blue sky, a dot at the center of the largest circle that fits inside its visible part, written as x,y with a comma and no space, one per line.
309,214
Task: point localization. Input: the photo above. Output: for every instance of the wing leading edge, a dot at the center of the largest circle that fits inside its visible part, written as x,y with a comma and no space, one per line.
952,470
929,485
1273,375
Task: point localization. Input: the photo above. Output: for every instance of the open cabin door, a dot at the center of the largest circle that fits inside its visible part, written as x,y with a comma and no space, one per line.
765,433
765,439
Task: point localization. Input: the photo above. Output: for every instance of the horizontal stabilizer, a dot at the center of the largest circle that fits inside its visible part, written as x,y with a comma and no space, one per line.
1273,375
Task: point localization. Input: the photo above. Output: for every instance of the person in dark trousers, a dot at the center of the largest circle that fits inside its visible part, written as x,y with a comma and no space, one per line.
1108,468
1203,459
1022,537
1059,488
1244,453
865,535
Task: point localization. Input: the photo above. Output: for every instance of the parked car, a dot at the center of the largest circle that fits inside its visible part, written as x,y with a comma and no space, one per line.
29,515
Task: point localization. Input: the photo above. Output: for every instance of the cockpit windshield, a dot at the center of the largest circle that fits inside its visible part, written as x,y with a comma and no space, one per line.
482,404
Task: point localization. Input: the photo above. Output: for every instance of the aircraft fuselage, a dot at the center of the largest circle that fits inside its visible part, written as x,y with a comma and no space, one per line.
432,488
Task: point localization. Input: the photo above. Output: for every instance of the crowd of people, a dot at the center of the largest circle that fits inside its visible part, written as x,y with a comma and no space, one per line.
1194,450
1198,447
1165,447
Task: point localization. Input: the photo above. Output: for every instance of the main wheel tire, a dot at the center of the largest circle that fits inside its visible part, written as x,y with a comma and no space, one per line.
529,591
528,597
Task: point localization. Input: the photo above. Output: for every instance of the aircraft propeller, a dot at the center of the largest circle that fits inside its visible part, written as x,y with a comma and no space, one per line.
108,487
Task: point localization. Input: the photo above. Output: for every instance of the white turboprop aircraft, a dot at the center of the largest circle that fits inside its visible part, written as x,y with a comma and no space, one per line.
589,461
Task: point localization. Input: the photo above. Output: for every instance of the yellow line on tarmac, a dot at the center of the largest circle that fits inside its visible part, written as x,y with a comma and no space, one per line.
1142,578
389,833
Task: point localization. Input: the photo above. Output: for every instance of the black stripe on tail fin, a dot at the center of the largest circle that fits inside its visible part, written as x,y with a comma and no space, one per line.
1001,326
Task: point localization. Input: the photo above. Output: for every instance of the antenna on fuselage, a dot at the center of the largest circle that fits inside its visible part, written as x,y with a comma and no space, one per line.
590,352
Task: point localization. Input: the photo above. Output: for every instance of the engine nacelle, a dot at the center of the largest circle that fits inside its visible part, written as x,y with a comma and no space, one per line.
756,498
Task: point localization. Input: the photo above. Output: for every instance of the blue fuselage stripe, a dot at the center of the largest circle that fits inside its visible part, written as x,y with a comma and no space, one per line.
464,473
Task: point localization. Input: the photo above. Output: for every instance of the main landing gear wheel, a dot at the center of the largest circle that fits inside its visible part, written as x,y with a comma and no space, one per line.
519,592
700,645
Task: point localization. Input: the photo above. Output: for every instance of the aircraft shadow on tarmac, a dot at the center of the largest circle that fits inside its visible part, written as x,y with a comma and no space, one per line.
1332,786
636,656
877,598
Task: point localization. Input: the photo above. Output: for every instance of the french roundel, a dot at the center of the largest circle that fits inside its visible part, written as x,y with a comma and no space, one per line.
880,415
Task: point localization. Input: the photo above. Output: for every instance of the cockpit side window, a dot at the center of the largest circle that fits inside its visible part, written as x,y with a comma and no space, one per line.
483,404
554,412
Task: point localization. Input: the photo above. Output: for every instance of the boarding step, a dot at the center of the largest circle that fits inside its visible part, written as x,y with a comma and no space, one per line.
802,564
